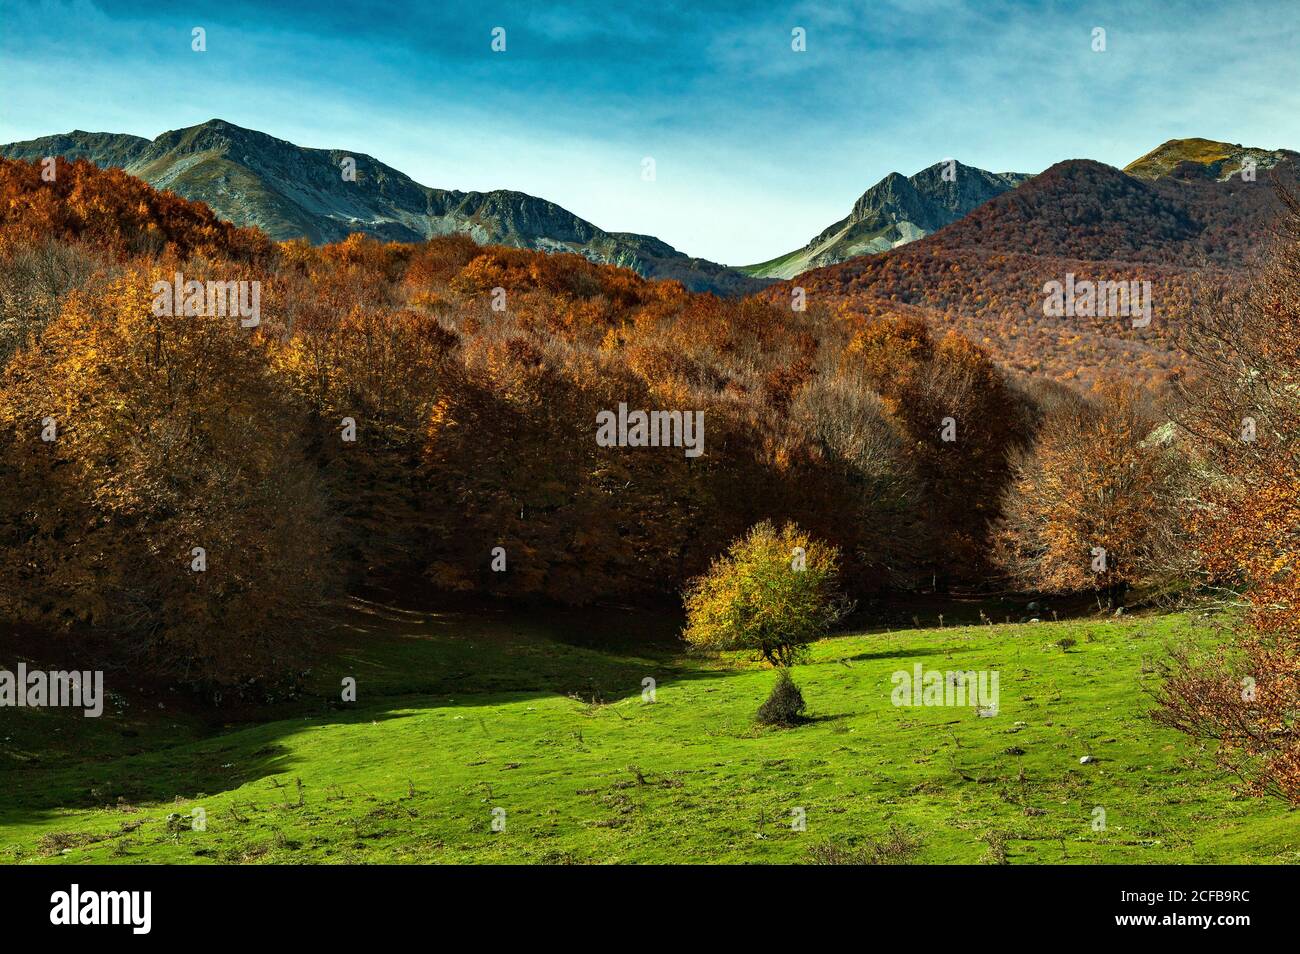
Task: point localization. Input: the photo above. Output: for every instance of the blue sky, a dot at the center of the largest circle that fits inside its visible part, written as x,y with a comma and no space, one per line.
757,147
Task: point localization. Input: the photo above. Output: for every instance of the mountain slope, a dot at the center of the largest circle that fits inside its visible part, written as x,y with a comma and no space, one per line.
288,191
893,212
1088,210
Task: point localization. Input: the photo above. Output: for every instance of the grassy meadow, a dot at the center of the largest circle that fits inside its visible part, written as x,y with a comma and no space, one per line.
458,714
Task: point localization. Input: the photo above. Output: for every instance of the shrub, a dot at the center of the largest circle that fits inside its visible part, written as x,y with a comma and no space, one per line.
771,594
896,847
785,705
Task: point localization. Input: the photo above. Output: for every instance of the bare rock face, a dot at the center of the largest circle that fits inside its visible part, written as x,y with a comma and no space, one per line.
895,211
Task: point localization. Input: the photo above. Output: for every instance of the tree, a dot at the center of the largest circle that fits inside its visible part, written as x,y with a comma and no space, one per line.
1243,413
878,486
115,213
771,594
959,419
34,280
154,488
381,372
1094,503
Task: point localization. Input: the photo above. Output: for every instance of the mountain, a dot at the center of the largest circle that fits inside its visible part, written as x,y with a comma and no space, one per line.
103,149
1217,160
895,211
1183,223
253,179
1188,218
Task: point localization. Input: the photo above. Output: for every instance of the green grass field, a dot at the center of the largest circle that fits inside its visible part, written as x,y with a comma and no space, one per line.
458,715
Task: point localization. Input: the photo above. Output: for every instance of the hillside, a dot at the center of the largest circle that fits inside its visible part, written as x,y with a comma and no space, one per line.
893,212
114,213
252,179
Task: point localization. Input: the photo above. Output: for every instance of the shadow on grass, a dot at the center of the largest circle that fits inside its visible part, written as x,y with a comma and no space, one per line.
901,653
210,766
401,660
800,722
831,717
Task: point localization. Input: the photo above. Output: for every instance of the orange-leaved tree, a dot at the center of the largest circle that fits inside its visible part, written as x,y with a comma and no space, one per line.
1244,416
155,489
1095,503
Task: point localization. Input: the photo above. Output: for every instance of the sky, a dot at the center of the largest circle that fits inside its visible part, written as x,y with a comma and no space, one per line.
757,147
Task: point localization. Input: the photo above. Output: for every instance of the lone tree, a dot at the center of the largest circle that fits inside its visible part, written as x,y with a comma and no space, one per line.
771,593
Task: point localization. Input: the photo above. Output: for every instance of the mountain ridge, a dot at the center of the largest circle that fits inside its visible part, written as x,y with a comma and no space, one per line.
249,177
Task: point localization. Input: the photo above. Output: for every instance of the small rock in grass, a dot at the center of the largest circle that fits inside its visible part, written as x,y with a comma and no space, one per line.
1085,759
